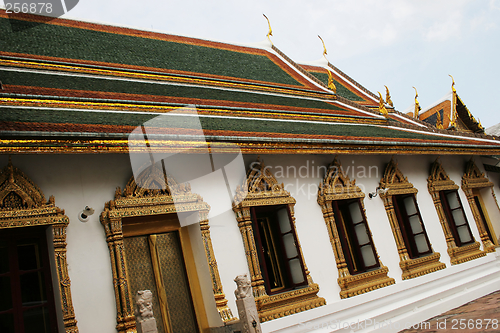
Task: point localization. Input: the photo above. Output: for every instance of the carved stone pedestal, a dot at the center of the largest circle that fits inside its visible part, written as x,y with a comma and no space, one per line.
147,326
247,310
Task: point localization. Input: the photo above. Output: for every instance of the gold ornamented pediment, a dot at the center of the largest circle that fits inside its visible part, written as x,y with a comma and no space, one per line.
336,184
17,191
261,188
394,180
474,178
439,180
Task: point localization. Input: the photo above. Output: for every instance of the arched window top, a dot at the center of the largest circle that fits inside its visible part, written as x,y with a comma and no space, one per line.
17,191
439,180
336,184
394,181
152,189
260,184
473,177
153,182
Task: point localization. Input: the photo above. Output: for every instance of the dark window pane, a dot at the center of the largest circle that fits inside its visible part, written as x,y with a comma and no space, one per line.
32,289
36,320
27,253
4,256
5,294
7,323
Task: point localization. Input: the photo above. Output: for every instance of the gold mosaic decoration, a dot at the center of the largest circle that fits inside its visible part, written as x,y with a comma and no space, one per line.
261,189
396,183
336,185
474,179
440,181
135,202
22,205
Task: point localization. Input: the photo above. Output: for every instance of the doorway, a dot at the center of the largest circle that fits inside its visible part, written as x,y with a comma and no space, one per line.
156,254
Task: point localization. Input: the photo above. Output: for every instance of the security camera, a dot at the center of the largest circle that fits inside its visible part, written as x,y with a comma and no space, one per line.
378,190
84,214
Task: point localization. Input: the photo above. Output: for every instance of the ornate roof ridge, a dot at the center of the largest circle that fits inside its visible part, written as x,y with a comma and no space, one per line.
347,77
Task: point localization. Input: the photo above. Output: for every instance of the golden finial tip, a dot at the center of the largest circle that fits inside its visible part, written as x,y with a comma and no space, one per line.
270,32
416,92
324,47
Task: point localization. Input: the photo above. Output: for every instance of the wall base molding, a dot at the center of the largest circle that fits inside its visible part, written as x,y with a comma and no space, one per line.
392,308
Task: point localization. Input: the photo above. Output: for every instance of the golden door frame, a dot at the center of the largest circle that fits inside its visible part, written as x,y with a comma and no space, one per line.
139,202
396,183
261,189
336,185
474,179
35,211
440,181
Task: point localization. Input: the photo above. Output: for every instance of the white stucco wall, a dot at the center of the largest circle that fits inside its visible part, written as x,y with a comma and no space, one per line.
77,181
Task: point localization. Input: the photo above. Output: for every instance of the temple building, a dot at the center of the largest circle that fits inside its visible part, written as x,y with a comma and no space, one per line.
135,161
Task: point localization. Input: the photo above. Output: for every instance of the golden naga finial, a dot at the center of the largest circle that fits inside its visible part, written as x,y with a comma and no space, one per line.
439,123
331,85
479,124
417,105
453,113
270,33
388,97
452,84
324,47
381,106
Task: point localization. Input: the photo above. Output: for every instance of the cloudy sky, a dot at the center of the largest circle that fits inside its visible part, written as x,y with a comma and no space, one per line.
398,43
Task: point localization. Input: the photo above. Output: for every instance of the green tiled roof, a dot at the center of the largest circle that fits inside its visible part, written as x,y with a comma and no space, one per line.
151,88
302,129
83,44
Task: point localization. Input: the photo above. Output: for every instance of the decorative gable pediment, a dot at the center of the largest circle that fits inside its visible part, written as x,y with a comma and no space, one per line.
261,188
152,194
336,185
474,178
394,180
17,191
439,180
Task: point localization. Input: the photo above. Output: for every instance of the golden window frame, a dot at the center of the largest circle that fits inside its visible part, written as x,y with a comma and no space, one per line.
473,179
138,202
36,211
261,188
440,181
395,183
336,185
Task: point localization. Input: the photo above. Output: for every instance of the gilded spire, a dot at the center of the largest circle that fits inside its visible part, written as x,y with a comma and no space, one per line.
417,105
388,97
270,33
331,85
324,47
381,106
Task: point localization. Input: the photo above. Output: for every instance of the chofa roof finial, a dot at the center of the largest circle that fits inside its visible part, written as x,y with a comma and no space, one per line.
417,105
270,33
